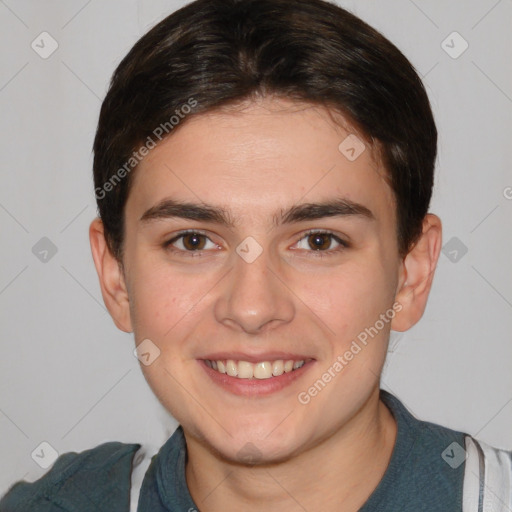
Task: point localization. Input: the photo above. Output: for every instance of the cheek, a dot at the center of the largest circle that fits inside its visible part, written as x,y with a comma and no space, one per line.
348,298
163,300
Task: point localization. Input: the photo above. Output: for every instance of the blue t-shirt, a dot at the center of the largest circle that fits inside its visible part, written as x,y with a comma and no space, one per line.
420,475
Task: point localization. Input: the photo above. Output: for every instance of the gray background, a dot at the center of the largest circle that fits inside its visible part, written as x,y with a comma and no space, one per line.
69,377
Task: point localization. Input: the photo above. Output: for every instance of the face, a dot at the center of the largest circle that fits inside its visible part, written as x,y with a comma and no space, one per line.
239,273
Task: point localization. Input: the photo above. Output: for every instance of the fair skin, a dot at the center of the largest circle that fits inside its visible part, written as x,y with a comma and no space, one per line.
289,302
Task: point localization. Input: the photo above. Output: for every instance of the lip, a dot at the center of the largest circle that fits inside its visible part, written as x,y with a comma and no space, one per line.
254,387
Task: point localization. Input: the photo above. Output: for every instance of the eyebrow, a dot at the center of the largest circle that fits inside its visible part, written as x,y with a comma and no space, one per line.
339,207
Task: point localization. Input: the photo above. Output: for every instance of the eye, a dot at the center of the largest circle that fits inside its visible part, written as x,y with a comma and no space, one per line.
321,241
190,241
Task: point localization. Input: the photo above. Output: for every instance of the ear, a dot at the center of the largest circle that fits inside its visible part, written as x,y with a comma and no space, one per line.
416,275
111,275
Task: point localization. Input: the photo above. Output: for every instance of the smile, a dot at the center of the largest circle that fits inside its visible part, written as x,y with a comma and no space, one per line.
260,370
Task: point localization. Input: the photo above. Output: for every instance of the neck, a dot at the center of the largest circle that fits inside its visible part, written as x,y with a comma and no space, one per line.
349,465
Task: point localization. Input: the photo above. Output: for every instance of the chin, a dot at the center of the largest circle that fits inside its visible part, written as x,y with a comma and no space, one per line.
255,445
257,452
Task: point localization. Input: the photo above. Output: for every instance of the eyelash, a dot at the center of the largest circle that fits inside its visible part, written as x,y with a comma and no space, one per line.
194,254
315,253
330,252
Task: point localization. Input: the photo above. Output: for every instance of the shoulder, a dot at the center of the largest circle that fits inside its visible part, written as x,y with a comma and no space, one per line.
428,462
488,477
98,478
425,436
443,462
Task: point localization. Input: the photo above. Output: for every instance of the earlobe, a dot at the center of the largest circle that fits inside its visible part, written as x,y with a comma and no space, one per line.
417,274
112,281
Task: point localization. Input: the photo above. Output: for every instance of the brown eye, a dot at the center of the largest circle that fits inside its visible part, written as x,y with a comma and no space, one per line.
194,241
319,241
189,242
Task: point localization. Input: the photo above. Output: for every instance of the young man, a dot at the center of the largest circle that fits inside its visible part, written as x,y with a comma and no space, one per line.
263,171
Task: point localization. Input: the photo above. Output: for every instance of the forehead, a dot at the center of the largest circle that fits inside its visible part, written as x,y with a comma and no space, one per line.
261,156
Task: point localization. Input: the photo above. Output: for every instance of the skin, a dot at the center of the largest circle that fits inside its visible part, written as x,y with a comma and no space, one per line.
268,155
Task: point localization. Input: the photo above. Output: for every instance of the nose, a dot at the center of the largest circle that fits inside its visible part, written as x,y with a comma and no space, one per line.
254,297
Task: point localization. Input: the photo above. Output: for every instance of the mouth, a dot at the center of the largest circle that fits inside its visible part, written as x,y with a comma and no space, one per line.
260,370
261,376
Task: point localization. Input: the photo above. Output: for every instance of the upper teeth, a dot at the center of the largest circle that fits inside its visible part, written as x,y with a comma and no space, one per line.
247,370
